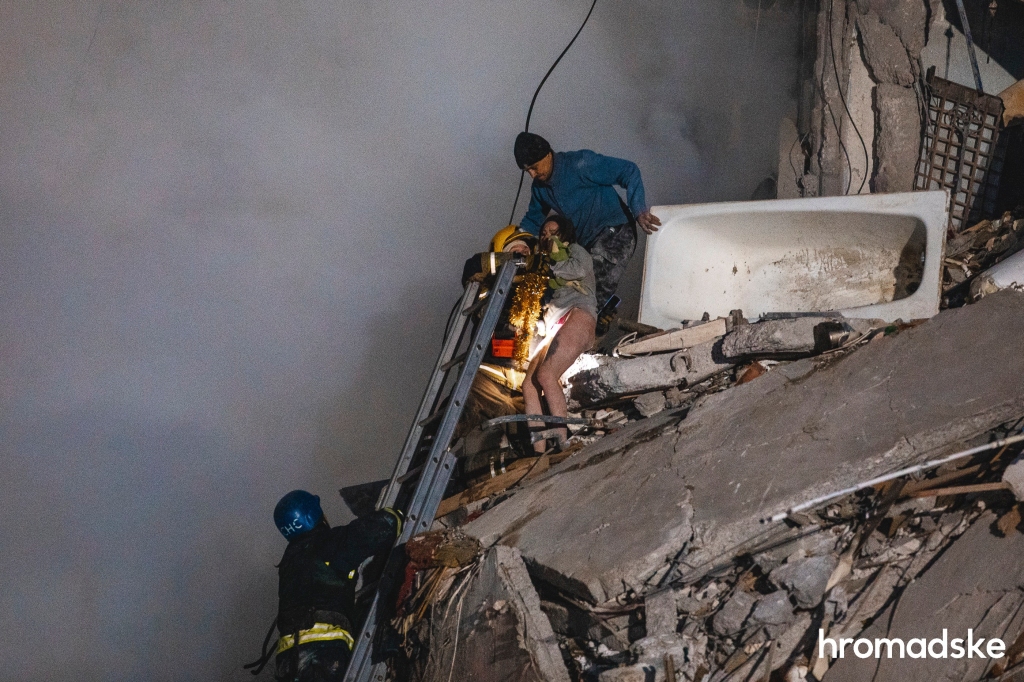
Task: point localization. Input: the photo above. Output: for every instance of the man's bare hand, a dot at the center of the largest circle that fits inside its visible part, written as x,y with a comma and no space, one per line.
648,222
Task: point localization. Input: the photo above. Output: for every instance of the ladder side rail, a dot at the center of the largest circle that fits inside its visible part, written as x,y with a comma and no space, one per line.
433,480
418,515
361,666
449,348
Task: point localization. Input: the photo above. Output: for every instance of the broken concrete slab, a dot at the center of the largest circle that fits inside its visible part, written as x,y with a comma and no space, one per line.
588,552
773,609
650,404
660,613
611,516
733,614
502,632
977,583
885,56
795,335
1013,102
898,138
792,336
687,655
629,673
805,579
621,376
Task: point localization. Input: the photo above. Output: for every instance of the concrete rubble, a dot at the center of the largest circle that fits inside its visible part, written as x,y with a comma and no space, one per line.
647,553
504,635
620,376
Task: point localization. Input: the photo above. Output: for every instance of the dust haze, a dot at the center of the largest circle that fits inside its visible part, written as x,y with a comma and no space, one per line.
230,234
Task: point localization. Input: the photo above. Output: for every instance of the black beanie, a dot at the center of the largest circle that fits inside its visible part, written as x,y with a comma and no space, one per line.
530,149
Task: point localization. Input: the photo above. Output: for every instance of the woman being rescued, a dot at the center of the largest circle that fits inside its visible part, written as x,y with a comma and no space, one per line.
571,314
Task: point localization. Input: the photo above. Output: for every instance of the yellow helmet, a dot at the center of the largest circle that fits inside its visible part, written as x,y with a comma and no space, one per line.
507,235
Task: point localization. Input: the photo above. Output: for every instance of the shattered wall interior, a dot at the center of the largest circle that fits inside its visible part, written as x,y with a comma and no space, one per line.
743,489
230,236
862,96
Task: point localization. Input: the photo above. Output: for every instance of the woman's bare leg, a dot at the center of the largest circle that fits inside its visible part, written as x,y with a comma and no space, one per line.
575,336
531,389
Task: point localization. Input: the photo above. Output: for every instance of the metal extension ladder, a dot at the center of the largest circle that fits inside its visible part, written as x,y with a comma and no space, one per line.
432,472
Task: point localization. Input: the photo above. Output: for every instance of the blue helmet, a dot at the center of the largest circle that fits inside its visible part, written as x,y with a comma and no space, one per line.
298,512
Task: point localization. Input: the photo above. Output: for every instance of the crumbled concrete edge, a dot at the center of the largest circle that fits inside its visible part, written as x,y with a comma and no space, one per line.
713,540
534,628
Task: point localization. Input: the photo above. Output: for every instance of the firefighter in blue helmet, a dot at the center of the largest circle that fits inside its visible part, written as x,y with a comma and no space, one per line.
317,585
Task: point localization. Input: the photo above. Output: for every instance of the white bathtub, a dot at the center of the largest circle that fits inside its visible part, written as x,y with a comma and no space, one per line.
865,256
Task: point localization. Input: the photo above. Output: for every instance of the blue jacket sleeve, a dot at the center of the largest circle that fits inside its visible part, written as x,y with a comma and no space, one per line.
535,215
608,170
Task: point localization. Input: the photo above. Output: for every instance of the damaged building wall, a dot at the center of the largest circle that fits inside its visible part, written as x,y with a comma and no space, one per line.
862,98
865,129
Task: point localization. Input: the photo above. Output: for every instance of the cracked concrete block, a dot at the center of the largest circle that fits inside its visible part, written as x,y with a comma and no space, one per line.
795,371
610,516
503,633
733,614
622,376
773,609
884,53
1014,475
687,654
908,19
794,335
791,336
629,673
814,544
785,646
660,613
650,404
897,142
975,584
805,579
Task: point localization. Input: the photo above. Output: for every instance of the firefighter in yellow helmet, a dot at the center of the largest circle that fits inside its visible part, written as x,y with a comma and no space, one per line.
507,243
512,240
497,387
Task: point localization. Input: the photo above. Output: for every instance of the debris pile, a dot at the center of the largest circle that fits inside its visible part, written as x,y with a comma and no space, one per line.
727,516
972,252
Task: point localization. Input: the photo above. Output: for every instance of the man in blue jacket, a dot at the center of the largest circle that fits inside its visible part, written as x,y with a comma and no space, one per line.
581,186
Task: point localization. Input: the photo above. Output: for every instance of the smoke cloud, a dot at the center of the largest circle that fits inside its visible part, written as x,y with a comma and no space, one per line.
230,234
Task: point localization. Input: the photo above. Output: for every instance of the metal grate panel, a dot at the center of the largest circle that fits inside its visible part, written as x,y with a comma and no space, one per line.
962,150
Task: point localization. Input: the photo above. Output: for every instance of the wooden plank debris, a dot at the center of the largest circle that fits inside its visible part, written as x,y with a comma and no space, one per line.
676,339
962,489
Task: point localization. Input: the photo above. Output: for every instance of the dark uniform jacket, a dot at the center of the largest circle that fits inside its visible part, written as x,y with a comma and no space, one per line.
318,573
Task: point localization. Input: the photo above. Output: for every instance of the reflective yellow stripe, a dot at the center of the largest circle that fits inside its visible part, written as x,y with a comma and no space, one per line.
320,632
398,518
494,265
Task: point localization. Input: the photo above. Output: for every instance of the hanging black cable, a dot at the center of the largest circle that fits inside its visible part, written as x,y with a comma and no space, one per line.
849,114
533,101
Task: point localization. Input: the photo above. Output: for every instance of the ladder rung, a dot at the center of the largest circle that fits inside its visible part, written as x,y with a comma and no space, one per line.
432,418
454,361
476,306
411,474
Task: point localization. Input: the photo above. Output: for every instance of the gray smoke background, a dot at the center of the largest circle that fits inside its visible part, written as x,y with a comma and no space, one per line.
230,235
